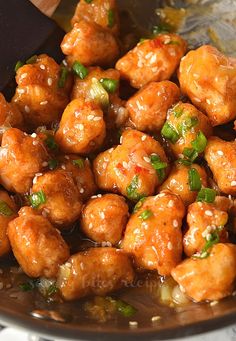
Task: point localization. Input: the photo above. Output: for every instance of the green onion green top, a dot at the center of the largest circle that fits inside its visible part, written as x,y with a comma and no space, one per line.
5,209
37,198
200,143
206,195
214,239
173,42
110,85
190,153
79,163
161,28
98,93
170,133
79,70
88,1
53,164
32,59
122,307
146,214
64,72
19,64
194,180
111,18
178,111
159,166
132,189
50,142
139,204
30,285
187,124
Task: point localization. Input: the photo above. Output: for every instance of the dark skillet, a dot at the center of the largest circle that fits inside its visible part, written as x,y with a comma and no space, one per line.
212,23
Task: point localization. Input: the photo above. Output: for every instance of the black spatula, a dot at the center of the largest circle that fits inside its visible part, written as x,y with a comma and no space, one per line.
25,31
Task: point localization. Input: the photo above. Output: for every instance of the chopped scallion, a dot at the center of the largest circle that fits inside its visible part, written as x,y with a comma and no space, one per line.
173,42
98,93
32,59
206,195
110,85
214,239
79,163
80,70
200,143
170,133
63,77
139,204
159,166
194,180
161,28
111,18
30,285
184,162
178,111
53,164
88,1
19,64
187,124
50,142
5,209
122,307
146,214
37,198
190,153
132,189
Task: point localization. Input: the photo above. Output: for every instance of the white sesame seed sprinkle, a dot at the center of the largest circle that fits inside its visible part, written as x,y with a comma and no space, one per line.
102,215
156,318
63,167
34,135
133,324
233,183
146,159
213,303
143,138
170,203
42,67
90,117
175,223
208,101
125,164
169,246
99,195
27,109
97,118
219,152
21,91
208,213
24,75
80,126
50,81
43,102
81,190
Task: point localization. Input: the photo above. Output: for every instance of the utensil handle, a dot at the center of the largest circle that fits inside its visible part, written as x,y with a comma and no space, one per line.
48,7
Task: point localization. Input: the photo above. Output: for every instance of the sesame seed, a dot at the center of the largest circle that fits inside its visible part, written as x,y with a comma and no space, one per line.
233,183
90,117
121,139
90,225
80,126
68,265
146,159
208,213
99,195
169,246
27,109
21,91
156,318
133,324
34,135
102,215
175,223
81,190
125,164
42,67
170,203
50,81
63,167
44,103
104,165
97,118
213,303
24,75
208,101
220,153
35,142
64,62
143,138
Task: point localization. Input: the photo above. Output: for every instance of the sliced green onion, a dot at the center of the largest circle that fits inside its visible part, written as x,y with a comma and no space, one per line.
173,42
184,162
5,209
206,195
79,163
159,166
98,93
53,164
139,204
110,85
30,285
19,64
32,59
170,133
200,143
64,72
190,153
111,18
178,111
50,142
132,189
37,198
187,124
79,70
214,239
161,28
88,1
125,309
146,214
52,289
194,180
